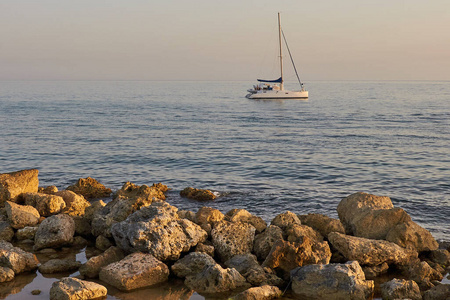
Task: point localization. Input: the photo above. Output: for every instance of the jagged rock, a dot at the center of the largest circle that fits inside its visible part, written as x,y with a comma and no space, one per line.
265,292
21,216
192,264
287,256
6,231
26,233
332,281
400,289
423,274
46,205
441,291
264,241
198,194
70,288
75,204
128,200
17,259
51,190
440,256
92,267
158,230
205,248
55,231
248,266
297,232
372,272
82,226
79,242
6,274
135,271
15,183
59,265
370,252
186,214
231,239
102,243
358,203
90,211
214,280
410,235
285,220
90,188
207,216
241,215
322,223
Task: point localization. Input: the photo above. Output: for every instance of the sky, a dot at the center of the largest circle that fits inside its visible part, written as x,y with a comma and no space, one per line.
223,40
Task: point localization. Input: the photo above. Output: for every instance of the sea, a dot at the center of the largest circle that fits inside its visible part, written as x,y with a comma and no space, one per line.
388,138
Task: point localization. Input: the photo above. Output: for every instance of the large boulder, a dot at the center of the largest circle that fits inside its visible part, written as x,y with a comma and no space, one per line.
21,216
264,241
92,267
128,199
17,259
242,215
90,188
135,271
265,292
158,230
55,231
192,264
400,289
75,204
70,288
15,183
216,280
371,252
412,236
231,239
45,204
332,281
322,223
422,273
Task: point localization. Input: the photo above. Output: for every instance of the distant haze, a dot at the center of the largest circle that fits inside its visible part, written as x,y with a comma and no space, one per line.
223,40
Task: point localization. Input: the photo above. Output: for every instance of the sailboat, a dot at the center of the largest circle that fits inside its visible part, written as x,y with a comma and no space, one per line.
274,89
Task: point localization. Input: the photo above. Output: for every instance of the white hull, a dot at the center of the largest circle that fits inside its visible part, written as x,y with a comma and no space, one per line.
271,94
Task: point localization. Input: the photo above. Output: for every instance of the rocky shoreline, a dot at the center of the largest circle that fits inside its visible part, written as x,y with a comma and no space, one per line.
141,241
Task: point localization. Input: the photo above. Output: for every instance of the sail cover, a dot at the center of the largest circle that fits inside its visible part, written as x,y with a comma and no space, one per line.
275,80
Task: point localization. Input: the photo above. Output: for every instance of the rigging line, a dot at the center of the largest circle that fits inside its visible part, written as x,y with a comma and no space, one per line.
292,60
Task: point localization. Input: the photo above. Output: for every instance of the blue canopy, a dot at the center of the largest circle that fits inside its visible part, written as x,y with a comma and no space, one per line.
276,80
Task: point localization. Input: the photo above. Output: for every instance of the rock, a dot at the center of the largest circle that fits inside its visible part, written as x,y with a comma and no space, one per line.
55,231
423,274
370,252
264,241
59,265
70,288
6,274
215,280
26,233
372,272
400,289
440,256
241,215
410,235
102,243
441,291
358,203
285,220
15,183
322,223
90,188
186,214
46,205
79,242
198,194
129,199
231,239
51,190
36,292
157,229
192,264
16,259
332,281
75,204
207,216
135,271
21,216
90,211
265,292
6,231
287,256
82,226
205,248
297,232
92,267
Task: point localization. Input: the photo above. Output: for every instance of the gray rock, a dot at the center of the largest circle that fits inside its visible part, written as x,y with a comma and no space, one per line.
332,281
192,264
135,271
55,231
400,289
441,291
59,265
15,183
45,204
6,231
26,233
70,288
102,243
440,256
21,216
92,267
17,259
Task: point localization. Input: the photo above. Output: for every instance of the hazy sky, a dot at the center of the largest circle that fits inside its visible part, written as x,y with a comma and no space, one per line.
223,40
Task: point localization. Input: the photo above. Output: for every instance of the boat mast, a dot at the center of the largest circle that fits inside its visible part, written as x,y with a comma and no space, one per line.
281,57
